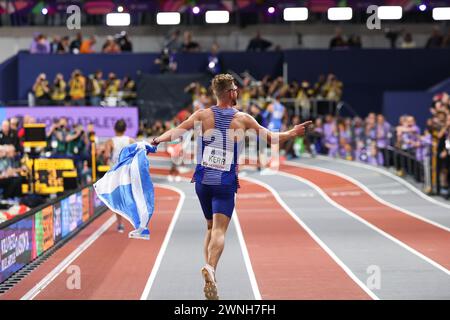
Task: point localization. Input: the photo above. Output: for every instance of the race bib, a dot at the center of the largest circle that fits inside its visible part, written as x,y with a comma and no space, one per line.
216,158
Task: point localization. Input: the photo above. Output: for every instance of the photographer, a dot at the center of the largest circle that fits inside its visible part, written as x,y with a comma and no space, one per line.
124,43
77,141
59,90
77,86
41,90
10,180
57,135
95,87
166,62
112,86
128,88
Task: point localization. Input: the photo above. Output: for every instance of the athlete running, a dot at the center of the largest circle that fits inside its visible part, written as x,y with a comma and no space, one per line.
216,176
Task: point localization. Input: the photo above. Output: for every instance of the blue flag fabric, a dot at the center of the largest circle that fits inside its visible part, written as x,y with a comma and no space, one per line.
127,188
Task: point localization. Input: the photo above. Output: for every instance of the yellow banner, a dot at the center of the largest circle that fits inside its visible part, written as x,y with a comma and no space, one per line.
51,164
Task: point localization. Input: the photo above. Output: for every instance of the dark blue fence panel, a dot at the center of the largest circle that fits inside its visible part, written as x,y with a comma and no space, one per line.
366,74
191,62
440,87
415,103
8,80
258,64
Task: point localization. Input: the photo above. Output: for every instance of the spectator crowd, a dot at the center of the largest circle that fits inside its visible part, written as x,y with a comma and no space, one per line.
79,45
177,41
404,145
370,139
439,125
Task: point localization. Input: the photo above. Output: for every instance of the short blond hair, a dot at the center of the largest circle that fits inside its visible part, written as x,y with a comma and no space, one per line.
221,83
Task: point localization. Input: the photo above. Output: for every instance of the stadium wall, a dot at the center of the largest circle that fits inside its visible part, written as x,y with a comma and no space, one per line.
8,80
441,87
366,74
415,103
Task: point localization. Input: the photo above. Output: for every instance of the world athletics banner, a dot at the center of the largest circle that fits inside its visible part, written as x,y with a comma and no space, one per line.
103,118
16,244
24,240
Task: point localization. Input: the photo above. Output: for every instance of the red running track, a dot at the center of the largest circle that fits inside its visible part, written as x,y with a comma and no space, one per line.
288,263
424,237
106,268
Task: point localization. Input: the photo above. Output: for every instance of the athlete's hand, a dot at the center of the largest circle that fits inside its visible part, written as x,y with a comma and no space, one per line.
302,129
154,142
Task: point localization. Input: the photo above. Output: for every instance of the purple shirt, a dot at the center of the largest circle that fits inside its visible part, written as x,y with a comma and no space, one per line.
423,151
409,138
40,47
328,129
383,135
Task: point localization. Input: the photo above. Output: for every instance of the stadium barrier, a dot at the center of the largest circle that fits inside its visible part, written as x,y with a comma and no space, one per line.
366,73
25,238
103,118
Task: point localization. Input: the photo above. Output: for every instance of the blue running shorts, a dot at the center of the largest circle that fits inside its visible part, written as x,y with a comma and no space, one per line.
216,199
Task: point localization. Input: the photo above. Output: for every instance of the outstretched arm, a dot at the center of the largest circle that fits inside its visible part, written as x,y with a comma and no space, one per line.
177,132
276,137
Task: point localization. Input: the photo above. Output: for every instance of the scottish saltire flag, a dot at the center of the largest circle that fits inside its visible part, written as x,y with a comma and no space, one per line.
127,188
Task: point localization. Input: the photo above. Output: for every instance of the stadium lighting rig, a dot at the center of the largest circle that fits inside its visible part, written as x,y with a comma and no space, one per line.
217,16
340,14
117,19
168,18
442,13
295,14
390,12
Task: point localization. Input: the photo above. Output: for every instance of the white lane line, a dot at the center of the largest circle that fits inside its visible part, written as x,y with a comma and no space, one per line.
355,216
390,175
315,237
246,256
165,243
369,192
67,261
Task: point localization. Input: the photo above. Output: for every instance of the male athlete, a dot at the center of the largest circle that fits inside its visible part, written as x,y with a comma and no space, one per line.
275,112
216,175
112,151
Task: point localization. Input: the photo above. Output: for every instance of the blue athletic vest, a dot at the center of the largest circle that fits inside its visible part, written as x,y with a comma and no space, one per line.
276,117
210,176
